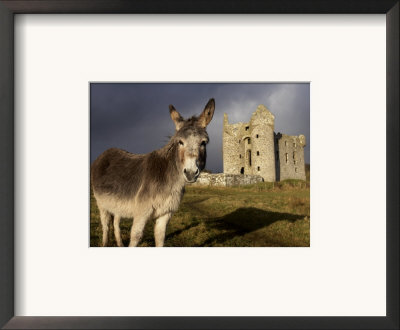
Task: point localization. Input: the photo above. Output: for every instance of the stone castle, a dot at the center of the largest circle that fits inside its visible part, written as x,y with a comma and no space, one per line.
252,152
254,148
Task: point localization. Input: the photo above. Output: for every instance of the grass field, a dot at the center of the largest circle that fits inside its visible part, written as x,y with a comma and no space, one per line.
265,214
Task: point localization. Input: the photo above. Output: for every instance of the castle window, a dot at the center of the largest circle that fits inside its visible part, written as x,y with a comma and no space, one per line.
249,156
258,153
248,141
287,158
294,144
242,170
258,168
285,143
295,169
247,128
240,156
257,136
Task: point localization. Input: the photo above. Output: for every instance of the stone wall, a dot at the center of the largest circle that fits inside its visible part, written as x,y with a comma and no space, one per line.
226,180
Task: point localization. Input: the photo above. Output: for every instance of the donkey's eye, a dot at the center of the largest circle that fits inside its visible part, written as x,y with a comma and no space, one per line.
181,142
203,143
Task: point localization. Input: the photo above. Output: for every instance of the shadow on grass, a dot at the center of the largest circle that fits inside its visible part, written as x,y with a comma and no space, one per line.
242,221
180,231
221,231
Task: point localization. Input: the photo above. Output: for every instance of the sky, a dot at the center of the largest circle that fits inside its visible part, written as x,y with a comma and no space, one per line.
135,116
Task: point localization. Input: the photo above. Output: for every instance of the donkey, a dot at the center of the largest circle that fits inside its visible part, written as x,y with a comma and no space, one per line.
150,186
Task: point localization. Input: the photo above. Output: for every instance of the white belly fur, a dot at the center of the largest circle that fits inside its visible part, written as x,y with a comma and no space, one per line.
132,207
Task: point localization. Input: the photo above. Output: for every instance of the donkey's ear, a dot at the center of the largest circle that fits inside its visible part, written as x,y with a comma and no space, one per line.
176,117
207,114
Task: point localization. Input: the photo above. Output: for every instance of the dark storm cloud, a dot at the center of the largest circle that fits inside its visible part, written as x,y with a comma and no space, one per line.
135,117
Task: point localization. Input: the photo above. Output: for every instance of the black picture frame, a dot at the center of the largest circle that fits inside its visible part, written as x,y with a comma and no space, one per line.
11,7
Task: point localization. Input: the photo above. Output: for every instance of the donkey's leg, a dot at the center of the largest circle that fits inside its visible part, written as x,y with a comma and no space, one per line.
160,229
117,231
139,222
105,218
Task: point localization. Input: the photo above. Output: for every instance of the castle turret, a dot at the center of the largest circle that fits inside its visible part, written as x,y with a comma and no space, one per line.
262,143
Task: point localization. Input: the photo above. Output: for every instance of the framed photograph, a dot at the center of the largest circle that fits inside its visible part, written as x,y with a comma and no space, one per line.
211,122
242,178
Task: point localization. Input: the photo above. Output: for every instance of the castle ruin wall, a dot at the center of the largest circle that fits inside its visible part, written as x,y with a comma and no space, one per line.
226,180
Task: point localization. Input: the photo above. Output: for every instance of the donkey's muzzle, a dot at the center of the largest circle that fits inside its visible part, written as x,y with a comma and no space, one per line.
191,176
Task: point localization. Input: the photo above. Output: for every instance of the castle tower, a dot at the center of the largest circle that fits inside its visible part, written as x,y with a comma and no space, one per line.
248,148
261,128
291,156
253,148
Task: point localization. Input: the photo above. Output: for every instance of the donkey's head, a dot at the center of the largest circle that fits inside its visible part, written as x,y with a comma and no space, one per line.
191,139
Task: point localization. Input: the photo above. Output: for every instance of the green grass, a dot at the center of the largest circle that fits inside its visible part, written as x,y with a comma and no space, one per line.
264,214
